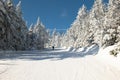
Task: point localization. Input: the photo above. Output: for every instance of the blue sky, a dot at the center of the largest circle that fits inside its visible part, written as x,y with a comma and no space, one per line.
57,14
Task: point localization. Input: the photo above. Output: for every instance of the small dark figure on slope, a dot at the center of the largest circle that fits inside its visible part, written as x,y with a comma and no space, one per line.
53,47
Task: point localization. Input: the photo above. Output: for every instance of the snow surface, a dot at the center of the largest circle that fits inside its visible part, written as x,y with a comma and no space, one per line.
56,65
70,49
104,56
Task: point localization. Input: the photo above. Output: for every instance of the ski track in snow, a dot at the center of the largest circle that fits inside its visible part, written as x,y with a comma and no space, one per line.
56,67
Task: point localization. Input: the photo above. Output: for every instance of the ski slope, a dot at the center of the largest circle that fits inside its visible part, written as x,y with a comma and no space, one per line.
55,65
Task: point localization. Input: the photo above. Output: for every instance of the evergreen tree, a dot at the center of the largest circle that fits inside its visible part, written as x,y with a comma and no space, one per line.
97,15
76,34
41,35
14,27
18,9
112,23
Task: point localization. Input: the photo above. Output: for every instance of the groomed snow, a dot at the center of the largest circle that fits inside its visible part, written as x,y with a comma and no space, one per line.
55,65
104,56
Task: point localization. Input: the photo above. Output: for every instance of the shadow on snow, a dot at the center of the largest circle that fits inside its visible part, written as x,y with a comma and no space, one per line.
57,54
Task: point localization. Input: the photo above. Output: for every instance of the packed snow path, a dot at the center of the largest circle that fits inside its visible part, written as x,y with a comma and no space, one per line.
54,65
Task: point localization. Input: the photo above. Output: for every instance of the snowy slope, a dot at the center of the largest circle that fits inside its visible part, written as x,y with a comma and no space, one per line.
104,56
56,65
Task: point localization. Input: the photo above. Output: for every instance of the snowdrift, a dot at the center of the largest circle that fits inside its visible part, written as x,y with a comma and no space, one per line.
69,48
90,50
104,56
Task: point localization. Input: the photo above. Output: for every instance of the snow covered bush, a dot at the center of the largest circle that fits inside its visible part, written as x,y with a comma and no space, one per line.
115,51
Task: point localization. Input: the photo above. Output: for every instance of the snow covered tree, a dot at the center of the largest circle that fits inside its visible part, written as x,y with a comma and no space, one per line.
53,36
112,23
87,27
75,33
41,35
30,38
18,9
14,34
13,27
31,27
96,17
101,25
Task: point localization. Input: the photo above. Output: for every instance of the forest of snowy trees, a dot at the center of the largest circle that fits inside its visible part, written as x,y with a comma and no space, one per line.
100,25
14,33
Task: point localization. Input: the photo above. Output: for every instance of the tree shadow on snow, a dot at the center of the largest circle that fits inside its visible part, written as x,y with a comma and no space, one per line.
57,54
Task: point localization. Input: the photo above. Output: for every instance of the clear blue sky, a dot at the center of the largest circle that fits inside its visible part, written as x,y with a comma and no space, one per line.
57,14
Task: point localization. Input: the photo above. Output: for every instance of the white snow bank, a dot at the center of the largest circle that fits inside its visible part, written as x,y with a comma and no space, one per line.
80,49
104,56
64,47
90,50
69,49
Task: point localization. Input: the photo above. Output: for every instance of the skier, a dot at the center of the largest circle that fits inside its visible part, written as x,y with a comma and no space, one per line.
53,47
